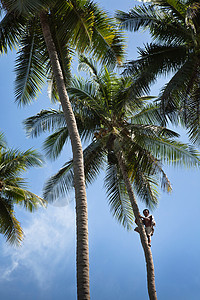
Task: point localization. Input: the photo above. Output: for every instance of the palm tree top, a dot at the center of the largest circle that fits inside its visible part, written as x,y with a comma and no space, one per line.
76,25
13,190
175,30
111,121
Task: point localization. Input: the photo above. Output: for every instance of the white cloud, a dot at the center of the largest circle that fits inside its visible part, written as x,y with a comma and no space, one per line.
49,241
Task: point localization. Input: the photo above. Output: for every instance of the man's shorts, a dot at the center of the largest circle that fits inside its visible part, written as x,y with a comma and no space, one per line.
149,231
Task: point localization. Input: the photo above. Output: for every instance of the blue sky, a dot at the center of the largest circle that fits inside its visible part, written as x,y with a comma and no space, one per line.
43,268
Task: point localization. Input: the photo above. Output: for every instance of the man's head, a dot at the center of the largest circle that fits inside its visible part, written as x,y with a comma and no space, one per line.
146,212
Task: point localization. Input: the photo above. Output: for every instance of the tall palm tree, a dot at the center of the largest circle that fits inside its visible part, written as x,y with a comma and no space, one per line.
174,26
125,135
13,189
48,31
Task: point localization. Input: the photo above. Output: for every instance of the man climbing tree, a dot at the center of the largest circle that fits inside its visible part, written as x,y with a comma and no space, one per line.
149,223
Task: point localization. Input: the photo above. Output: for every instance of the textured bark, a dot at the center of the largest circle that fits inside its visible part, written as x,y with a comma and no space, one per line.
82,252
143,237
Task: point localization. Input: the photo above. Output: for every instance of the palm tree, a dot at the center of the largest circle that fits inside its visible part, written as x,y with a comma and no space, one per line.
48,32
174,26
126,136
13,189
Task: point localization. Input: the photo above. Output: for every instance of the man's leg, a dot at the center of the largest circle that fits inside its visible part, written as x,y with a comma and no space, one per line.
149,240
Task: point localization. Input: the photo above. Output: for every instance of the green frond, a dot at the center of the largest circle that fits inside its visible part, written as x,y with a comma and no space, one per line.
45,120
2,141
173,152
177,7
10,31
12,162
153,16
107,42
155,60
94,158
54,144
146,173
118,199
59,185
139,17
162,146
81,89
192,16
140,131
146,187
31,201
192,116
9,225
149,115
87,126
77,23
26,7
23,197
177,86
62,182
174,25
30,67
88,65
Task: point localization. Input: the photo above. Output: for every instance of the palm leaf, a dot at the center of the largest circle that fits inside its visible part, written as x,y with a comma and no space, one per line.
45,120
63,181
30,67
178,85
26,7
118,199
9,225
53,145
14,161
2,140
10,31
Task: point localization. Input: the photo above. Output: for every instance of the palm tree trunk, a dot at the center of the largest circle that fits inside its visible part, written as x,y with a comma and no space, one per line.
143,237
82,251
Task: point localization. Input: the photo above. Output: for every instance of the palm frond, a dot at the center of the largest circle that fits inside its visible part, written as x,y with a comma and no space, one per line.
2,140
155,60
30,67
192,116
171,151
10,31
145,187
177,7
153,17
54,144
59,185
14,161
77,23
107,42
62,182
118,199
26,7
81,89
149,115
145,172
88,65
9,225
22,197
178,85
45,120
94,156
138,17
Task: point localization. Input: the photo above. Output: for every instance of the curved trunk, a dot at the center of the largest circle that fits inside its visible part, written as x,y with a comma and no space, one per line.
143,237
82,252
